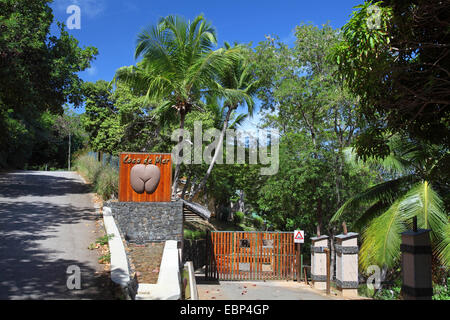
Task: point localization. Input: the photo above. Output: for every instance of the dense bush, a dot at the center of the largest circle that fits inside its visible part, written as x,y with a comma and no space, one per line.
238,217
107,184
194,234
104,178
88,167
258,222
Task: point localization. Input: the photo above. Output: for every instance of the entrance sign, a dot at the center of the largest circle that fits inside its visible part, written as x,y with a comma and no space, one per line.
145,177
299,236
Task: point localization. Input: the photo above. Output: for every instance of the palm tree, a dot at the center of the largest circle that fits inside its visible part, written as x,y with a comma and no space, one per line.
178,66
218,113
236,85
391,205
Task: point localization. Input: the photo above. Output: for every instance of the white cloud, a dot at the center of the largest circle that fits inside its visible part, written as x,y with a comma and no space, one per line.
290,39
92,71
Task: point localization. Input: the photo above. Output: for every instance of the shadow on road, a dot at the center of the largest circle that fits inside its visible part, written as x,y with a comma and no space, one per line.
29,270
22,183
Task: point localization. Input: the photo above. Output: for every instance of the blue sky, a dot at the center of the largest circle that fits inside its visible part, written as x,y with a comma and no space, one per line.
112,25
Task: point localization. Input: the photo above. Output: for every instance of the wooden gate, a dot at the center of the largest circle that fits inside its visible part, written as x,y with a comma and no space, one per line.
244,255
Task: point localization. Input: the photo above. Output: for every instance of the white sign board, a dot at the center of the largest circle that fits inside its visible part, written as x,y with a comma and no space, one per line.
299,236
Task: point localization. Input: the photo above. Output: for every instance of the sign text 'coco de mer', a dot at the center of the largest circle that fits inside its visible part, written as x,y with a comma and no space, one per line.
145,177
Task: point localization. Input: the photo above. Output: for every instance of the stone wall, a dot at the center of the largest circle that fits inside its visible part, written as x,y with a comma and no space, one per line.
148,221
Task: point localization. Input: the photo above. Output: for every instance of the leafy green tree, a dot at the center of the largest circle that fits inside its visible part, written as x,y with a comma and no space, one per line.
69,126
393,56
38,72
101,120
237,85
302,98
388,207
178,65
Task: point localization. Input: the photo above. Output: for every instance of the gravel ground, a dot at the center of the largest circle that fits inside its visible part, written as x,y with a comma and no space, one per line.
145,260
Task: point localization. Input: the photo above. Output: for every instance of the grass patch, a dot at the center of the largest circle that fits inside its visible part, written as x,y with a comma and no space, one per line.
104,178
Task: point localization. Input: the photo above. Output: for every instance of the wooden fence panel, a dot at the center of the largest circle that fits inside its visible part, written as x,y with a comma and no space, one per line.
251,255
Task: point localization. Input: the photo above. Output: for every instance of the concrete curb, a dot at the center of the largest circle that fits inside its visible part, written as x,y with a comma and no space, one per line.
168,285
120,273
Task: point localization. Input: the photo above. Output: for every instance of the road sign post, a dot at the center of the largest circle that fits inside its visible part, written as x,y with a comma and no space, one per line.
299,238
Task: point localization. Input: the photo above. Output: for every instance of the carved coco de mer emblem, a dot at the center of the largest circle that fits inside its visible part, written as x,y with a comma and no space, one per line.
145,178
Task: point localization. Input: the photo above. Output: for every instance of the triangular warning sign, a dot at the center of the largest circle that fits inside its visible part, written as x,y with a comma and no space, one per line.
298,236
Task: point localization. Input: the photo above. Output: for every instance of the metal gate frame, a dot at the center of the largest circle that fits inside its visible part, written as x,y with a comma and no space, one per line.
251,255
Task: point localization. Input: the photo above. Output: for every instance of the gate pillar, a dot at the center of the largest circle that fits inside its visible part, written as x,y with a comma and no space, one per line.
319,262
416,265
347,264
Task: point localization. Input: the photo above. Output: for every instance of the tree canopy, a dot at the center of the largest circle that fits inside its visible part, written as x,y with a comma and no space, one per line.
39,73
395,56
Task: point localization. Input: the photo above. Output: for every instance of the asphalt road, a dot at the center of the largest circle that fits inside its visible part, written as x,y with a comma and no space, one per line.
47,221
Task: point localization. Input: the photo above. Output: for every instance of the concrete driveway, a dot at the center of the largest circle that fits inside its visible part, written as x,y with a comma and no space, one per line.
258,290
47,221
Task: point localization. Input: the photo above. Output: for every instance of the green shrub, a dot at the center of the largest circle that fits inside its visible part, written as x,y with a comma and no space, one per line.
107,183
89,167
194,234
392,293
441,292
238,217
258,222
104,178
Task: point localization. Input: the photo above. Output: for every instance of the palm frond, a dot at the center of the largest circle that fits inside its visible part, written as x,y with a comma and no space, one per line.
373,211
238,120
382,238
386,192
425,204
443,247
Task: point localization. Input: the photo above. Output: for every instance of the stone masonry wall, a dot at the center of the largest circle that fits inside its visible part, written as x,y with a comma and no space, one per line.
148,221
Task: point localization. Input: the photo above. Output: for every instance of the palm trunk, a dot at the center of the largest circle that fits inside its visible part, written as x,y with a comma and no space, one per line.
333,255
188,182
216,154
178,165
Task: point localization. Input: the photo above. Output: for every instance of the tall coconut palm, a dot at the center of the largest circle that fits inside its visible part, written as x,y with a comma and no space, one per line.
178,66
237,85
390,206
218,113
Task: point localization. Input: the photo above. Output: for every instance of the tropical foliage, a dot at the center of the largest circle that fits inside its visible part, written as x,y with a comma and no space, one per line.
393,56
39,73
389,207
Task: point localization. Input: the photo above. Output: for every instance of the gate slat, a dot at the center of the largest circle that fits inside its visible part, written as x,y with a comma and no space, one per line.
283,255
228,255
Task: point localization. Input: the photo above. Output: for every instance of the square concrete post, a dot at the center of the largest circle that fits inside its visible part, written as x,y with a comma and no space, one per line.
347,264
319,262
416,265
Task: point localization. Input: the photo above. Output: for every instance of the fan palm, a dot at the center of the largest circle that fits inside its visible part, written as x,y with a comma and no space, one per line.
236,85
178,66
391,205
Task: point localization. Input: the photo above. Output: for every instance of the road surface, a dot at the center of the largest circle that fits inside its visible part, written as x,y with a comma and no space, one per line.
47,221
258,290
